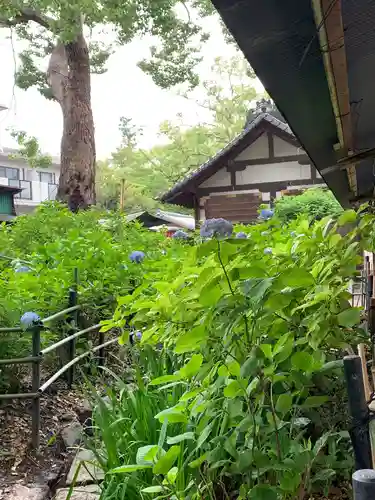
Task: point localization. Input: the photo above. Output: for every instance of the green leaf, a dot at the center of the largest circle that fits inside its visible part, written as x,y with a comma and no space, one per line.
315,401
192,367
153,489
175,414
284,403
232,389
165,463
204,435
146,454
297,277
181,437
190,395
234,368
165,379
191,340
199,461
222,371
172,475
267,350
126,469
279,346
323,475
303,361
332,365
263,492
347,217
349,317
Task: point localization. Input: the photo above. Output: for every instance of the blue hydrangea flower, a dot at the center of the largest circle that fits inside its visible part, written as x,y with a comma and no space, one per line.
135,336
266,214
137,256
241,236
267,251
220,228
29,319
180,235
22,269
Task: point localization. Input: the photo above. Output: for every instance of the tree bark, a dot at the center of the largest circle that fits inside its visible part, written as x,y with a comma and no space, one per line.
69,77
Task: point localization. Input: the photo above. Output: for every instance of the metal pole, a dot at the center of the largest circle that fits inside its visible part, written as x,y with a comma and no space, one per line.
364,484
358,411
102,349
35,387
73,299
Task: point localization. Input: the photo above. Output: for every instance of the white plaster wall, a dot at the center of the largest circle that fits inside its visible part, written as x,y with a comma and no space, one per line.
283,148
36,191
3,181
258,149
221,178
273,172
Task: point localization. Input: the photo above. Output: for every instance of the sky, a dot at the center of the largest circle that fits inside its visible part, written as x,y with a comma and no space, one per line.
124,90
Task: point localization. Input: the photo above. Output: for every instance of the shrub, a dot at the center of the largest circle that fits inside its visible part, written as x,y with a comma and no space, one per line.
255,334
53,242
314,203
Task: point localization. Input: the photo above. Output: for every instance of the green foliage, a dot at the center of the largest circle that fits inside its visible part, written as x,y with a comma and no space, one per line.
150,172
256,336
30,151
315,204
43,24
125,425
54,242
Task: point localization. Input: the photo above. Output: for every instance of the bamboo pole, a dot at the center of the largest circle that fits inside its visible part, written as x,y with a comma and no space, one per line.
73,362
122,195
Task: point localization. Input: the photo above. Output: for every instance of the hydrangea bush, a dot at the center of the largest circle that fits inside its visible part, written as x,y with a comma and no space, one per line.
257,324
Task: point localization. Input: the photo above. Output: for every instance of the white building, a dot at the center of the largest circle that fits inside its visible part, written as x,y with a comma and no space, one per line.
37,184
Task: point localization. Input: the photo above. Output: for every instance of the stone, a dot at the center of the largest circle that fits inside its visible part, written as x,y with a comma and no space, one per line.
20,492
84,411
90,492
72,434
88,471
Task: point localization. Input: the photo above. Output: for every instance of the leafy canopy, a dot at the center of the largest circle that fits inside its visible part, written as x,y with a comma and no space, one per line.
42,24
228,96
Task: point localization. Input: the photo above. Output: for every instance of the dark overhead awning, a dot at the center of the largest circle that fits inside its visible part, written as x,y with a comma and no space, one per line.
284,42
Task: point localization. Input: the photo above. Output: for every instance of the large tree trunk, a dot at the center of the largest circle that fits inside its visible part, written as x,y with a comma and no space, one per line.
69,77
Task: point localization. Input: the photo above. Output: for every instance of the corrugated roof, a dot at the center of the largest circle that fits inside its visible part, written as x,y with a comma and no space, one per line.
196,174
180,220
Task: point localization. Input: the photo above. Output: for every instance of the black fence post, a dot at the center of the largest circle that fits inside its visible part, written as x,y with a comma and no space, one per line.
35,427
364,484
73,300
359,412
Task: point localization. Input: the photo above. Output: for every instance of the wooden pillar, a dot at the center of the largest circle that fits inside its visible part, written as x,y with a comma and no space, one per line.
196,211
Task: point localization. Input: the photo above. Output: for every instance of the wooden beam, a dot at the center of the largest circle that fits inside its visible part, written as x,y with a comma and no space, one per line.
328,18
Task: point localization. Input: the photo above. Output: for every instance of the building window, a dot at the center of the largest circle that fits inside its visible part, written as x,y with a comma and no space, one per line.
52,191
47,177
9,173
26,193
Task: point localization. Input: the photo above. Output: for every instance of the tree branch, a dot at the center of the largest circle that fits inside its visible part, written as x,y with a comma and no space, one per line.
25,15
58,72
